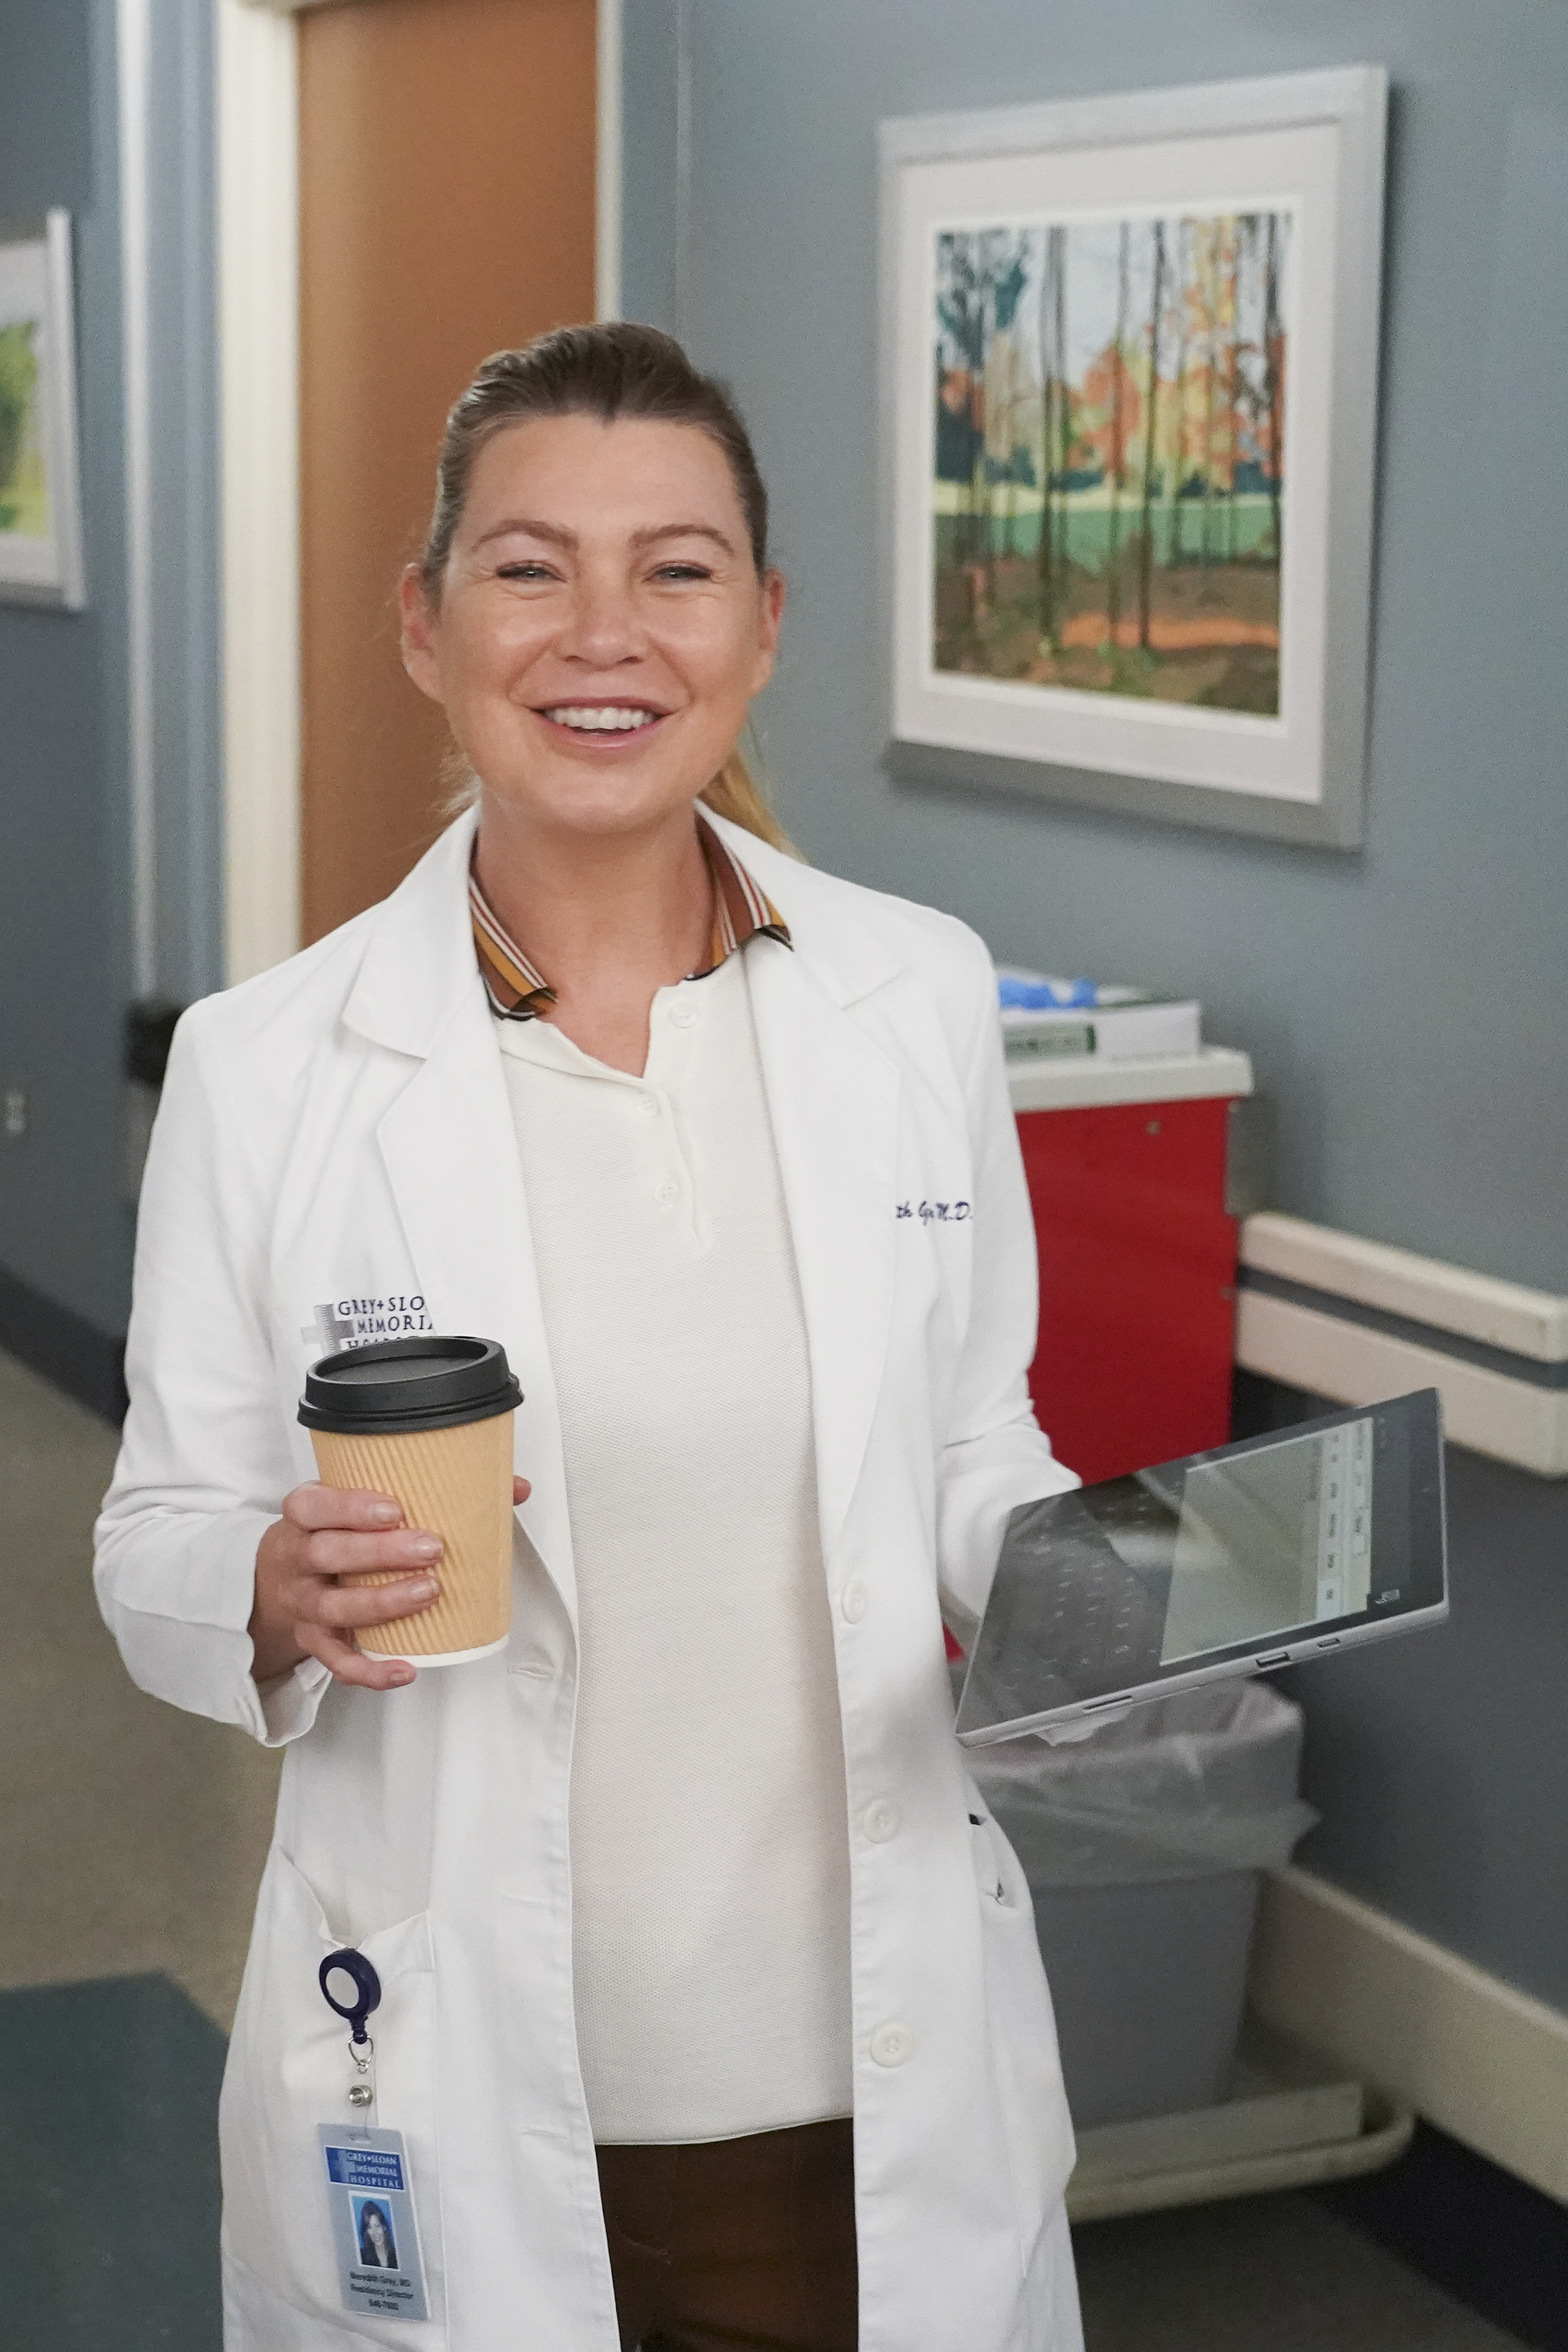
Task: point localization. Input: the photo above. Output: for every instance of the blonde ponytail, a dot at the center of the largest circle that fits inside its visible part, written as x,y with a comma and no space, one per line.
736,793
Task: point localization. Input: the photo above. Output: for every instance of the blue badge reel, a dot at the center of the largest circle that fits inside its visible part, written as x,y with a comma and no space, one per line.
370,2190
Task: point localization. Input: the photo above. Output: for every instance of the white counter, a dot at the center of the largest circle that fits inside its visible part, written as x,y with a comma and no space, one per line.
1076,1081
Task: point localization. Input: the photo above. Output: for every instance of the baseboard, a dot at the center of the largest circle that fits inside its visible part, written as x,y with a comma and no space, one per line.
63,1347
1486,2063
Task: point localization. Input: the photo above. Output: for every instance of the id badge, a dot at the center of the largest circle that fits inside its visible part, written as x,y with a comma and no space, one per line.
375,2232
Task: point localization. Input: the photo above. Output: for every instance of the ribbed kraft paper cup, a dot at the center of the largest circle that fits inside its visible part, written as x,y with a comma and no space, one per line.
453,1478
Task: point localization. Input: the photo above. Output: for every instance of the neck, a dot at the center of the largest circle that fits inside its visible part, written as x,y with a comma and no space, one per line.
609,919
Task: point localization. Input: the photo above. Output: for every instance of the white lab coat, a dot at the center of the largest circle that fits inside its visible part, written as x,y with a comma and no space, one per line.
335,1143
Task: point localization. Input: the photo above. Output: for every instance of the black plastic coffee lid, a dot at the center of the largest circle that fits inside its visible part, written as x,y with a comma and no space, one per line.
435,1382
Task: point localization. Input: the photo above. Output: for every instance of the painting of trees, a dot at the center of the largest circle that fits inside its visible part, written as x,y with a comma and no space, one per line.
980,280
1055,431
23,505
1109,483
1150,442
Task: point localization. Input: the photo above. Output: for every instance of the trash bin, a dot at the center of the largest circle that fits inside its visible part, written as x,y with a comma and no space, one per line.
1143,1846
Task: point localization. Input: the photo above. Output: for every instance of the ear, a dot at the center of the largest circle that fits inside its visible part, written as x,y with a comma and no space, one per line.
420,623
772,601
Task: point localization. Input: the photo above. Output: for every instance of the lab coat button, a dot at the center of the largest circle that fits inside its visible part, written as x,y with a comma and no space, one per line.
892,2043
882,1822
649,1106
852,1600
664,1191
683,1016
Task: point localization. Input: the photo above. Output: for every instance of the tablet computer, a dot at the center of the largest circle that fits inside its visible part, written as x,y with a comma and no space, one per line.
1260,1554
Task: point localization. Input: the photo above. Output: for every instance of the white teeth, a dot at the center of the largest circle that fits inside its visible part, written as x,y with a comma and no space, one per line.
601,718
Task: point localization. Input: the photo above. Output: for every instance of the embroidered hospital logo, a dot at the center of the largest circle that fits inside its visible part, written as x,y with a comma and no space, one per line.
342,1323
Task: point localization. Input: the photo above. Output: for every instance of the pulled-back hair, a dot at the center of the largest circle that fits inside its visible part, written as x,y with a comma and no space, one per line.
612,370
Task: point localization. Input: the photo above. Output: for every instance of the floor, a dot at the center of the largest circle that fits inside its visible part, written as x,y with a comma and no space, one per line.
1269,2274
131,1836
131,1840
109,2195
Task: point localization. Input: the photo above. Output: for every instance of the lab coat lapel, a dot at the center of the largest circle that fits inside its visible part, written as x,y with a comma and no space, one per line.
451,1158
834,1100
450,1155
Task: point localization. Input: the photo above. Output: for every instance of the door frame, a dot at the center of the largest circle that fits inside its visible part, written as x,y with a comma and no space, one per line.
258,336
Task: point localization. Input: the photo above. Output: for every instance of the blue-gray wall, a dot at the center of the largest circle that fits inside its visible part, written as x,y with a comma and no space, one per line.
1406,1005
1436,1763
186,573
65,1234
649,77
67,960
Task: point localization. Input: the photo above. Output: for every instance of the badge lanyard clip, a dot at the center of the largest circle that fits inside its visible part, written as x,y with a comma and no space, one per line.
369,2184
352,1989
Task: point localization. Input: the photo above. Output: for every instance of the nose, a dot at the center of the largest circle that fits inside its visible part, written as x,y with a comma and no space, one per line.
602,629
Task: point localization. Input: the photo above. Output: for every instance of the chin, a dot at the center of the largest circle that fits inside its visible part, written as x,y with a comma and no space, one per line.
593,805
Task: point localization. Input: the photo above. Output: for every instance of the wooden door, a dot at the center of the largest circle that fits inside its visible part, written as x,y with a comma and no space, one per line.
446,210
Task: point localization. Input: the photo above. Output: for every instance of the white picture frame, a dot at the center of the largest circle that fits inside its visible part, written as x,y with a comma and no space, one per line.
1106,675
40,492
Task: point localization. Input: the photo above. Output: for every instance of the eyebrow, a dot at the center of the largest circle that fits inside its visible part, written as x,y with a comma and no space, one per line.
555,535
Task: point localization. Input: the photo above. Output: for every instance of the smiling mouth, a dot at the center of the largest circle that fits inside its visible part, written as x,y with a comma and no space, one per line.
616,719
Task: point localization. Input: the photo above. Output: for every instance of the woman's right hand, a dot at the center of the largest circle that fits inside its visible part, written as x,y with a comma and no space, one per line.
302,1611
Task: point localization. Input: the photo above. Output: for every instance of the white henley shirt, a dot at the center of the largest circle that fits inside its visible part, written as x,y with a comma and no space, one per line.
710,1846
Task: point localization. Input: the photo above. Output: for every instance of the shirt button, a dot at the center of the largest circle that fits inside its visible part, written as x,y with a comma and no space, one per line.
852,1600
664,1191
649,1106
892,2043
882,1822
683,1016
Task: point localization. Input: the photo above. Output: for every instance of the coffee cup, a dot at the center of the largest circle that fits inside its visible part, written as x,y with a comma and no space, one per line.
429,1421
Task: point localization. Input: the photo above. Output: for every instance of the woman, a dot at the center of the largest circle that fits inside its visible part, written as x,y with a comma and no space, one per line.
712,2012
376,2250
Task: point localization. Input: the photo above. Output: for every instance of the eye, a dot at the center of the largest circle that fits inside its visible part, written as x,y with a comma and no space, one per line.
683,571
525,570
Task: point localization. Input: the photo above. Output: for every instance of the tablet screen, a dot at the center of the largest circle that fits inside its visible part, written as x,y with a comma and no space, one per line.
1253,1545
1305,1538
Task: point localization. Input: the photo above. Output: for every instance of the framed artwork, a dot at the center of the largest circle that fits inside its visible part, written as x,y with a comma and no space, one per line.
1129,383
40,501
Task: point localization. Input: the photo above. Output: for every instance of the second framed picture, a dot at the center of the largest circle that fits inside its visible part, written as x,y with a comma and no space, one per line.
40,503
1130,364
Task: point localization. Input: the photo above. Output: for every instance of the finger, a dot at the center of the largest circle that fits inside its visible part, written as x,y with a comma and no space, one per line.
332,1552
521,1490
348,1664
338,1606
316,1506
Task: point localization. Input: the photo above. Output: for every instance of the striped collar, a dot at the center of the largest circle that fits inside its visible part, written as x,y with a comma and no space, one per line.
518,989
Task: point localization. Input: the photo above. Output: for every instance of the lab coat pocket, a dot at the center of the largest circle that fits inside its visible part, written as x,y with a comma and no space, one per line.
289,2070
1023,2031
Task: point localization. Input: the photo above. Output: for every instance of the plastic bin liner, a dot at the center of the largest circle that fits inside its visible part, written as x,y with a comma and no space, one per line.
1188,1787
